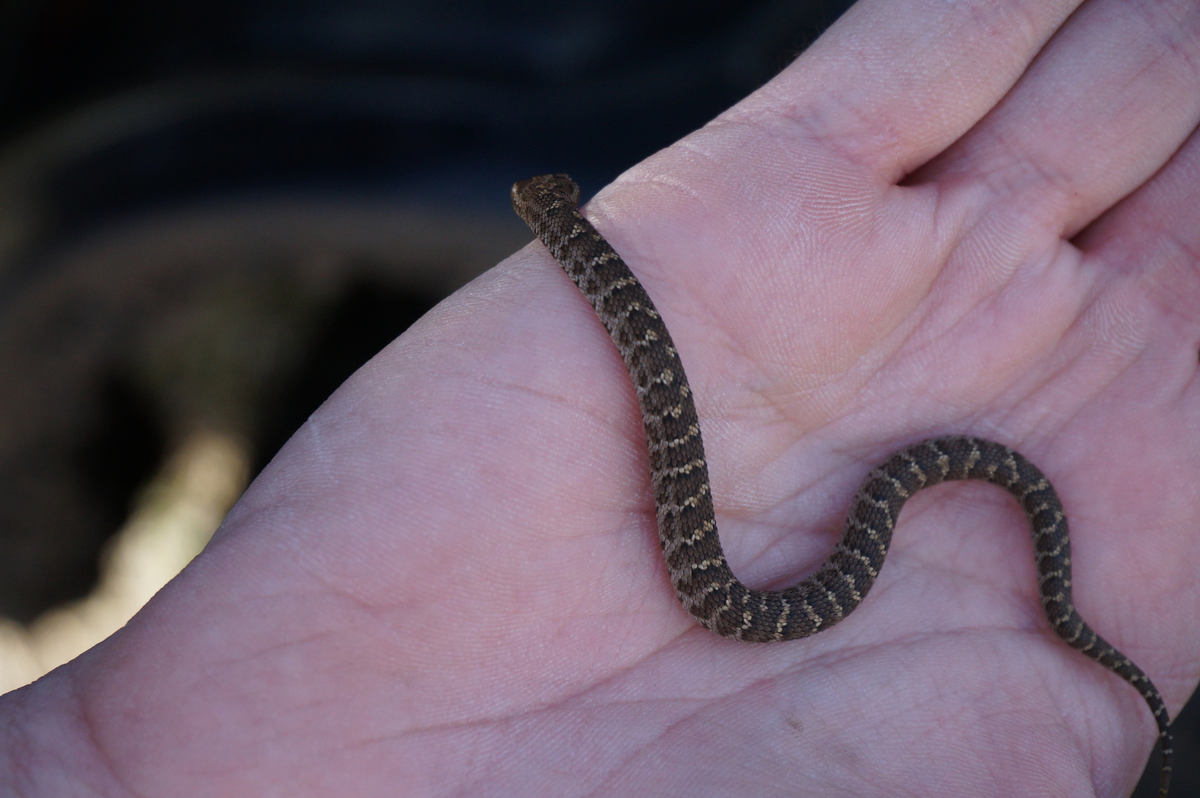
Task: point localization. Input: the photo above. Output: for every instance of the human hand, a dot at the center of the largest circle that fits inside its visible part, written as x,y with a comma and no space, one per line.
940,219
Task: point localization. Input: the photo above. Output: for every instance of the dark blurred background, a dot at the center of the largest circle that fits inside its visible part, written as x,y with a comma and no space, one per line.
212,214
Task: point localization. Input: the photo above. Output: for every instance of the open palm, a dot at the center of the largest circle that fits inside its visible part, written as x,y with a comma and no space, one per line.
944,218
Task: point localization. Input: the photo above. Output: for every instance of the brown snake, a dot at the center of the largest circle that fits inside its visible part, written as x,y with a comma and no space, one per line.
679,474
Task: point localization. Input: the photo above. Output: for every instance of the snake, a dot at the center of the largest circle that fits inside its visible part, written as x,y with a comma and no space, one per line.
686,519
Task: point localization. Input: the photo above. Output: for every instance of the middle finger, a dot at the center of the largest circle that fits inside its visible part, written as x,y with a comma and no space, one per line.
1105,104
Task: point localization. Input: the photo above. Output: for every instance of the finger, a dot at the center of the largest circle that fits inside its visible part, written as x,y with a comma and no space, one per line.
1151,241
1104,106
891,84
1141,331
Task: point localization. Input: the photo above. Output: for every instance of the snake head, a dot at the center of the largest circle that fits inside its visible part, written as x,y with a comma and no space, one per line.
558,185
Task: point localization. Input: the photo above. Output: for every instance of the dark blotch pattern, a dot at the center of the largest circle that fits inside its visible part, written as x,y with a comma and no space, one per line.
686,521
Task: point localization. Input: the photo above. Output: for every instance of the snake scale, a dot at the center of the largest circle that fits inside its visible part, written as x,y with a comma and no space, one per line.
683,497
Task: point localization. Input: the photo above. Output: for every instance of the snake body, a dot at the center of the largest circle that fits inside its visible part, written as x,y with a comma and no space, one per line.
687,527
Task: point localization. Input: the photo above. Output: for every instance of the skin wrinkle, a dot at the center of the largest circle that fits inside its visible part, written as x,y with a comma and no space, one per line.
561,702
17,753
97,740
604,417
618,766
1170,26
739,690
633,751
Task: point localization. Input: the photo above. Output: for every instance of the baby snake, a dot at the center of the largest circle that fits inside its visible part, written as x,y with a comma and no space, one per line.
679,475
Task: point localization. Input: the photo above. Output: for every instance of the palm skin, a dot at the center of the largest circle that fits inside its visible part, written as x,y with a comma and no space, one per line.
973,219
